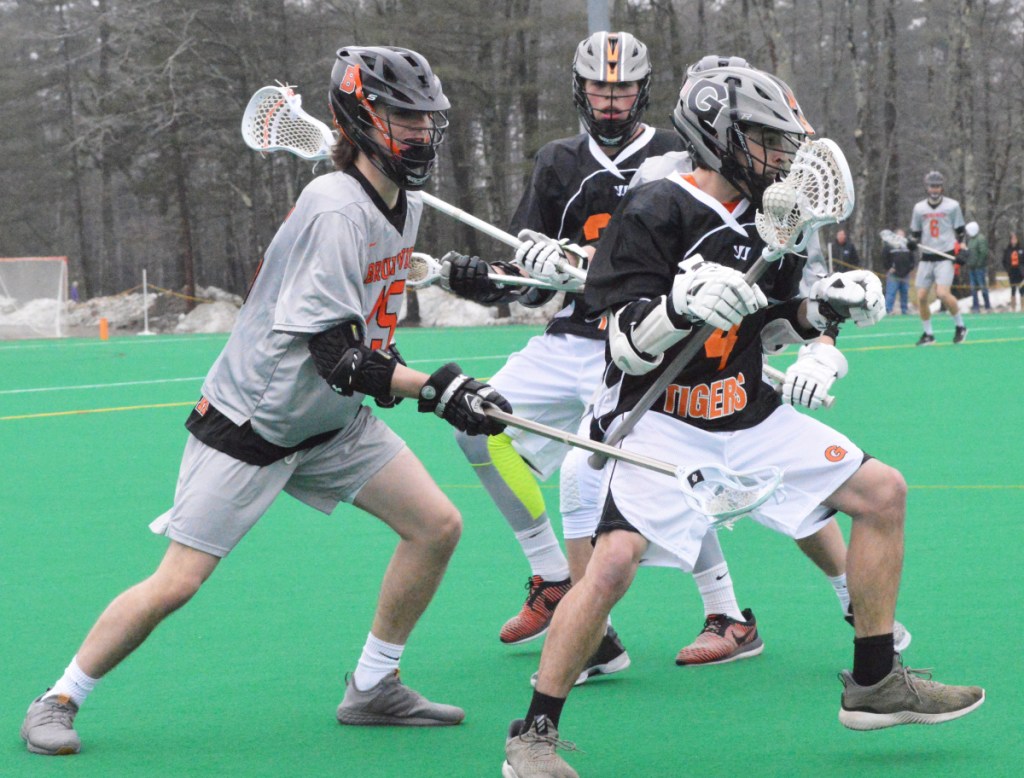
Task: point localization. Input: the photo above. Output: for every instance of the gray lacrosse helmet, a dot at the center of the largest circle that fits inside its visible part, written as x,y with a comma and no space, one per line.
722,100
367,77
934,178
613,58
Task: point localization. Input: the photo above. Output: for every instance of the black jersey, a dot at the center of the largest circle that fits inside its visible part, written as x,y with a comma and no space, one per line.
573,192
657,226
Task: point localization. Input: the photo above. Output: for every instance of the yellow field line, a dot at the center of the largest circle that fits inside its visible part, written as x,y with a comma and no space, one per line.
96,410
933,345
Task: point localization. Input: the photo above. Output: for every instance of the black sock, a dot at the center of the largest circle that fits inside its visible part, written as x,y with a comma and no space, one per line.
872,658
543,705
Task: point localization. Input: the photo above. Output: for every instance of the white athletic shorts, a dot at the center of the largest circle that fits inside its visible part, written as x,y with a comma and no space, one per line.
815,459
930,272
219,498
552,380
579,490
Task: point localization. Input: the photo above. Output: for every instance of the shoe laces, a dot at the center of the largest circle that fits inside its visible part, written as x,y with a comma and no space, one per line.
716,624
57,712
535,586
556,743
911,675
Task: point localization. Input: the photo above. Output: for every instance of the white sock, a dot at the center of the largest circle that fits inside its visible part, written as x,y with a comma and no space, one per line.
927,324
959,319
715,587
839,584
543,552
379,659
74,683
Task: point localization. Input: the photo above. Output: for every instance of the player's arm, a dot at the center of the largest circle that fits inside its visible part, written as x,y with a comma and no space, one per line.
855,294
349,366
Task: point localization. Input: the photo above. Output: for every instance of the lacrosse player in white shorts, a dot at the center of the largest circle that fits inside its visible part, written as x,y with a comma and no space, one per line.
743,126
282,407
937,222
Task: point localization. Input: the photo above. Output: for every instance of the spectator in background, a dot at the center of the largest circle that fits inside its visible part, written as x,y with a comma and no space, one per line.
74,292
899,263
977,266
1012,262
844,253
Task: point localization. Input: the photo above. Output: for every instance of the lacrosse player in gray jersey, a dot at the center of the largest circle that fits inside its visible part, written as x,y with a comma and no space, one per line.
282,407
936,224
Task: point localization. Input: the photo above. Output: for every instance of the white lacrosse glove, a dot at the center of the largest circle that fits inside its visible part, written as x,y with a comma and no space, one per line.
855,294
541,256
808,379
712,293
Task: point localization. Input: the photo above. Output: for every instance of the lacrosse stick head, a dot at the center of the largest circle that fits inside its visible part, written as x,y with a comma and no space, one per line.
725,495
893,239
425,271
818,190
275,121
388,103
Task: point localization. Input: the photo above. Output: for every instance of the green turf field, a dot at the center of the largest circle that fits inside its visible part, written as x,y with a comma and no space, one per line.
245,679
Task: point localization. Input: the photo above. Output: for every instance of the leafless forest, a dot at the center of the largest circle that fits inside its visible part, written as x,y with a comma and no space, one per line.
120,120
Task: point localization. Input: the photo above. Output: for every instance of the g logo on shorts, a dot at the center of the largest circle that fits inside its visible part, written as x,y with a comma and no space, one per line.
835,453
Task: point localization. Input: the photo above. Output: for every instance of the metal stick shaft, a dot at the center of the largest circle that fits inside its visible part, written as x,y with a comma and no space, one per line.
552,433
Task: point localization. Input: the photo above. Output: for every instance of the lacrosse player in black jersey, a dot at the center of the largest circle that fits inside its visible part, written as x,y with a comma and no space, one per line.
577,183
669,262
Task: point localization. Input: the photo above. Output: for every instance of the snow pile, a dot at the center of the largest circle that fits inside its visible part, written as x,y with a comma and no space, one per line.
209,317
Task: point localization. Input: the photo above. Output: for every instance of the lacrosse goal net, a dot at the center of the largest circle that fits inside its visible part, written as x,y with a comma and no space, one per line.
33,297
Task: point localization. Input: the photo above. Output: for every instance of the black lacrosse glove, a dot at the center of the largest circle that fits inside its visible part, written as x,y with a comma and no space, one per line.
911,243
468,278
458,400
390,401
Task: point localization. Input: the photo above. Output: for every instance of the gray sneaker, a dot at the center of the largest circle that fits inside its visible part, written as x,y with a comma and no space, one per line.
531,753
904,696
393,704
49,726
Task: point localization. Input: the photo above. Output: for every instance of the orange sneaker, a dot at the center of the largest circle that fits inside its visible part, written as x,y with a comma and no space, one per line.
533,620
723,640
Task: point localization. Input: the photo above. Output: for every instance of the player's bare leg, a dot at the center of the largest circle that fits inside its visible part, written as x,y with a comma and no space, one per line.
579,621
578,551
880,692
120,629
944,294
428,526
826,548
875,497
922,304
405,497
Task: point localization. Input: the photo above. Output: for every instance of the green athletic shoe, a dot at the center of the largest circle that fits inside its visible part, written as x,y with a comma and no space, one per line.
904,696
532,752
49,726
393,704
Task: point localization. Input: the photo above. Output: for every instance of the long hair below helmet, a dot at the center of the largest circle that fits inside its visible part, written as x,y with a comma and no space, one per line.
724,106
371,88
612,58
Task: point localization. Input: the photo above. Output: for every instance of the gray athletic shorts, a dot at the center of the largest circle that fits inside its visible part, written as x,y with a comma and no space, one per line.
938,272
220,498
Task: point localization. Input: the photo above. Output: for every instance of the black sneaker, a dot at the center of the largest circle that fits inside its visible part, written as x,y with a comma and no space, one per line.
960,335
610,657
926,339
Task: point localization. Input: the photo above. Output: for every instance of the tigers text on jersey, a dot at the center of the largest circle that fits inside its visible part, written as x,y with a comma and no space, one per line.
937,224
657,226
572,194
341,255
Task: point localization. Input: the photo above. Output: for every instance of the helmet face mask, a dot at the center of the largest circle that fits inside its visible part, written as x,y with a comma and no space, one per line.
740,122
619,61
935,184
390,106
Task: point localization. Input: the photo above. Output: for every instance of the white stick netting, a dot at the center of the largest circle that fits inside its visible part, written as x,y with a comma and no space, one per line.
274,119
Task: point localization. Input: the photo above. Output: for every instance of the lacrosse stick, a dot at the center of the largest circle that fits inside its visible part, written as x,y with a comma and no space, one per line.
778,378
425,271
818,190
274,120
892,240
721,494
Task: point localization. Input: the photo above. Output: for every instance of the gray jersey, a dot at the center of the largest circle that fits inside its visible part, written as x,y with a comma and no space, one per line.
937,224
336,258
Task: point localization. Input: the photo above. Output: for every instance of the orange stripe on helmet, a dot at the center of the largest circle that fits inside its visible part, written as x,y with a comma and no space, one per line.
612,53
